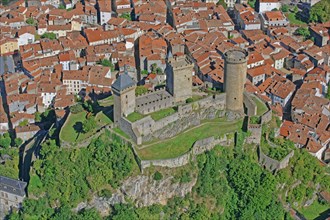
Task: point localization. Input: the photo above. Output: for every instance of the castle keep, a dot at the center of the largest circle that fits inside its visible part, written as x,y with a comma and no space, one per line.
179,78
235,77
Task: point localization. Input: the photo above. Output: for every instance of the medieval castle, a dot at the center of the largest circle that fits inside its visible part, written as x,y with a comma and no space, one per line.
178,89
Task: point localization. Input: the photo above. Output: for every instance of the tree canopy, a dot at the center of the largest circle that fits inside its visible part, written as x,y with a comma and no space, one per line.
320,12
67,176
140,90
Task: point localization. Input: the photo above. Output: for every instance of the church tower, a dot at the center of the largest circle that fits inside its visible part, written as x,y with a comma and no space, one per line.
124,96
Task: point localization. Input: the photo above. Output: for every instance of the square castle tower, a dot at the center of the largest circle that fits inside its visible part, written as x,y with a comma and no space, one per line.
179,77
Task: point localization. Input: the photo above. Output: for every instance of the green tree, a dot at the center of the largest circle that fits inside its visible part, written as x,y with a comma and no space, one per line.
89,124
61,6
37,117
18,142
25,122
153,67
159,70
144,72
189,100
30,21
158,176
106,62
89,106
76,108
285,8
126,15
88,214
5,140
252,3
328,92
303,32
140,90
50,36
295,9
320,12
222,2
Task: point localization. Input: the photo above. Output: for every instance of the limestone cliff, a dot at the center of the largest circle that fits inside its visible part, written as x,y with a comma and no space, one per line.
143,191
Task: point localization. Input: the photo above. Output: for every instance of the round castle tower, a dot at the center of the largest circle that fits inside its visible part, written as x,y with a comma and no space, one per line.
235,77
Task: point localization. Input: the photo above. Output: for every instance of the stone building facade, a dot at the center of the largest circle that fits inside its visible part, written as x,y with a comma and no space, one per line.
12,193
124,97
179,77
154,101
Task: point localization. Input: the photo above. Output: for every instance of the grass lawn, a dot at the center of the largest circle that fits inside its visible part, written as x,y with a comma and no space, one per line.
121,132
294,20
261,107
70,130
181,143
102,119
108,101
162,113
314,211
135,116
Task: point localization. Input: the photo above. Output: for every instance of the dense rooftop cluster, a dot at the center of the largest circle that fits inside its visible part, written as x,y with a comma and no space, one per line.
53,50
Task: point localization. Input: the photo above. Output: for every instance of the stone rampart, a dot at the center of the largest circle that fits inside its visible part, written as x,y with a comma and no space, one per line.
188,115
256,132
199,147
154,101
272,164
249,105
267,117
126,126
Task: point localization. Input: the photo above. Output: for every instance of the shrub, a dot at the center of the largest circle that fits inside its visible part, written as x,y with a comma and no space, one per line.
254,120
76,108
285,8
189,100
50,36
186,178
18,142
140,90
105,193
158,176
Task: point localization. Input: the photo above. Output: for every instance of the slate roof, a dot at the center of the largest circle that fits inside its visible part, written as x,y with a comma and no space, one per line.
123,82
12,186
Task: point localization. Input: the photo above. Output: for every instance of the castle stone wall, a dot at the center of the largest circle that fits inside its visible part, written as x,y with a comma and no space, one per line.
250,105
188,115
267,117
154,101
256,132
272,164
126,126
199,147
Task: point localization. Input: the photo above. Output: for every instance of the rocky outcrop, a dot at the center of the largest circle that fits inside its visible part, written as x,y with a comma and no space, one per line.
143,191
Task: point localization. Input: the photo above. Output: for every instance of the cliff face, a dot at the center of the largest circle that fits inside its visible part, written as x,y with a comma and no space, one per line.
143,191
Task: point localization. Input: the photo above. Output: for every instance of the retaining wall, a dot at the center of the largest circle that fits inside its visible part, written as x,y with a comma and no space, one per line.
199,147
256,132
272,164
267,117
250,105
